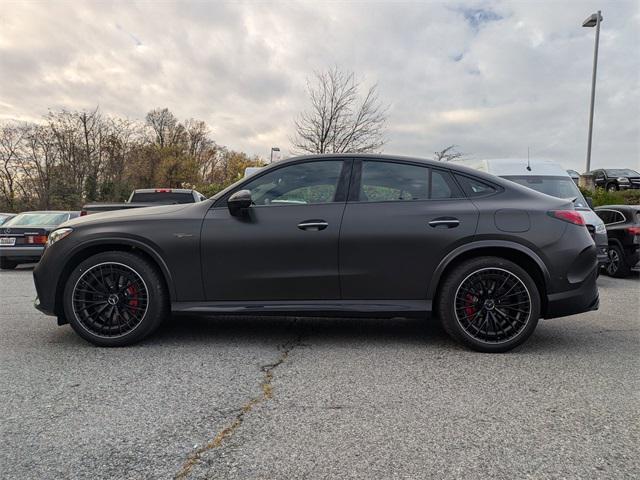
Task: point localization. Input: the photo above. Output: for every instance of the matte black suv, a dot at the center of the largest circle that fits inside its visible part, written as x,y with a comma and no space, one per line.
623,229
613,179
326,235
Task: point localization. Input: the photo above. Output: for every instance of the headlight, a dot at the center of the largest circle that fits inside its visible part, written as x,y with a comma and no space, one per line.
601,228
58,235
623,179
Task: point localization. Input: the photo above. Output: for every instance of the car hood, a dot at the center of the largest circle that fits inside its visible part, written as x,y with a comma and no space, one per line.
126,215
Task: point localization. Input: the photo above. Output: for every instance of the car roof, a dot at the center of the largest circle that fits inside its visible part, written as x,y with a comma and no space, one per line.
454,166
516,166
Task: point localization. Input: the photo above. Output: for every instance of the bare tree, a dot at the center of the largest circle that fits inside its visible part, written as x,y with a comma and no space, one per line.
340,119
448,154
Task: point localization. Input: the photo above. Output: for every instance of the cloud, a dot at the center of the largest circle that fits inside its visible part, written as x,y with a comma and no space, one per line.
493,77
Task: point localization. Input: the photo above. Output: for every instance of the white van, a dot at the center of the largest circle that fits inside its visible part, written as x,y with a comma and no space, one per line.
547,177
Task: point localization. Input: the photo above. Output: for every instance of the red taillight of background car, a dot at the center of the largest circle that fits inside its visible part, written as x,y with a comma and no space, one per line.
163,190
634,230
570,216
83,213
37,239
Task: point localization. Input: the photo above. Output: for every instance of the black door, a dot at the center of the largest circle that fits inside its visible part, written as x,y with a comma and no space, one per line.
286,245
399,222
599,178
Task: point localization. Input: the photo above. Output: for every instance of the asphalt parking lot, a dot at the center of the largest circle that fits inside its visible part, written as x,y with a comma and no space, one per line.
284,398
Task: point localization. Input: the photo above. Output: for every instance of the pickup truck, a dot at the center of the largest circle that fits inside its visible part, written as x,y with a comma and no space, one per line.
147,197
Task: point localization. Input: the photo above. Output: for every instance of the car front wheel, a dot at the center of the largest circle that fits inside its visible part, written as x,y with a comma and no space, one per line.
489,304
612,187
115,299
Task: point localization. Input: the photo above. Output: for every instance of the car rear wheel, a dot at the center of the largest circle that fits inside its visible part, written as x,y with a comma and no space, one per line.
617,266
6,264
115,299
489,304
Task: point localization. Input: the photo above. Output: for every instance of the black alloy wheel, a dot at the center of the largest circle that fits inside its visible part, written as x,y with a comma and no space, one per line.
115,299
110,299
617,266
490,304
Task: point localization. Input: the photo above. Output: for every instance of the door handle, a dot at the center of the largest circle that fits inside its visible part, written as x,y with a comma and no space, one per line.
448,222
313,225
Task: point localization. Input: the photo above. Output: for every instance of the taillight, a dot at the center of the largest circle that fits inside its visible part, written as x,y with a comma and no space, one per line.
83,213
163,190
570,216
634,230
37,239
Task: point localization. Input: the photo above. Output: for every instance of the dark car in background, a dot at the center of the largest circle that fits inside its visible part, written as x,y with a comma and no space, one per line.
341,235
612,179
5,217
623,228
23,238
147,197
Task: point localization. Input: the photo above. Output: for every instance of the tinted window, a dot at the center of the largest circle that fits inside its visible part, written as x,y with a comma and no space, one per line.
560,187
443,186
473,187
299,184
387,182
162,197
611,216
622,172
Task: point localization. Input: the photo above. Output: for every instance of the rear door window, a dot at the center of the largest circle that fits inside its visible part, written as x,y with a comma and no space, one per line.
393,182
443,186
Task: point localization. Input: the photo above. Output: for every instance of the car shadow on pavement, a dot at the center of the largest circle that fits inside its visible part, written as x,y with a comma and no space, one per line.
186,328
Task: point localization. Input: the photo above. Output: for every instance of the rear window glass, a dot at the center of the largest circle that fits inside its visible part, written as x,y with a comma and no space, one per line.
162,197
475,188
37,220
559,187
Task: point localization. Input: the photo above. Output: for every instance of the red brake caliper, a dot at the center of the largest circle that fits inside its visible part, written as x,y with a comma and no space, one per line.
469,309
133,296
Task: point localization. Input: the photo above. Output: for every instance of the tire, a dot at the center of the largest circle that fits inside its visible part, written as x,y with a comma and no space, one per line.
6,264
612,187
115,299
617,266
473,316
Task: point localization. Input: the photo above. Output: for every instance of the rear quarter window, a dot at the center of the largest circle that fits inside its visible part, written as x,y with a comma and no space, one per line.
473,187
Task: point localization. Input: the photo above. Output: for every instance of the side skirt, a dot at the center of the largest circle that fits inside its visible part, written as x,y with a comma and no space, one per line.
372,308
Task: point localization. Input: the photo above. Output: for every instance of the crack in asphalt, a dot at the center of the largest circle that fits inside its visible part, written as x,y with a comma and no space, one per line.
267,393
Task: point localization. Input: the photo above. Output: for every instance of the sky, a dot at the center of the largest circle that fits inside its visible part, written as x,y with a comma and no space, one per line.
493,77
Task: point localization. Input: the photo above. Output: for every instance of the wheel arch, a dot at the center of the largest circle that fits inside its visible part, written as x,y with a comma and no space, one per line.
88,249
519,254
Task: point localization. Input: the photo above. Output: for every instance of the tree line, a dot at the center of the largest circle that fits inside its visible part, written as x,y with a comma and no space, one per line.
74,157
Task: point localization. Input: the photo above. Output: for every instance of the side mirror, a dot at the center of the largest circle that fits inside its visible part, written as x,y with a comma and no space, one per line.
589,201
239,202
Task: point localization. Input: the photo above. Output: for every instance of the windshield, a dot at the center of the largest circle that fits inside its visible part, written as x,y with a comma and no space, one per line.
37,220
622,172
560,187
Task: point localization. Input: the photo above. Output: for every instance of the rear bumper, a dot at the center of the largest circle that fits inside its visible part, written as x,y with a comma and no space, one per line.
583,299
22,254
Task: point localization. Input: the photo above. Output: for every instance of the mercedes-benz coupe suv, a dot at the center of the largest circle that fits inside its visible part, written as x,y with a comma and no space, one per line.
330,235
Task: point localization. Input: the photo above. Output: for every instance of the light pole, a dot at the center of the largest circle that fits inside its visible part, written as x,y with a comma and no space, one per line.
273,149
594,20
